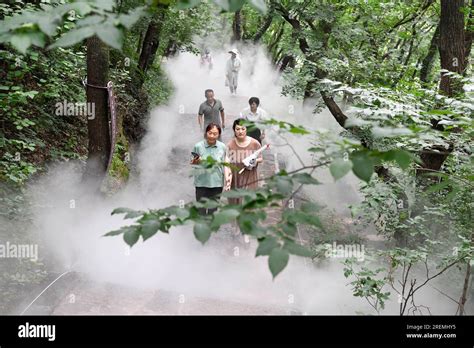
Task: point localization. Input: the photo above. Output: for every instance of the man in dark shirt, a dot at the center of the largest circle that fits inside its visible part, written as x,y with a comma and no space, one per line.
210,110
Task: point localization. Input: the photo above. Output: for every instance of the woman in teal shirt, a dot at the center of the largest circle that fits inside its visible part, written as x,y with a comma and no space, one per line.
211,182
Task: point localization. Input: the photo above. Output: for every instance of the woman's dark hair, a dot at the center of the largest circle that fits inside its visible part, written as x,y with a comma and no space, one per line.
212,125
238,122
254,100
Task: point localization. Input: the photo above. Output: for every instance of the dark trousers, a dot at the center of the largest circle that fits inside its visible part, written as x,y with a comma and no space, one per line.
208,192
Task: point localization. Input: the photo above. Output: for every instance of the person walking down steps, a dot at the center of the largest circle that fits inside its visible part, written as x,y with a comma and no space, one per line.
245,177
232,71
211,111
254,113
206,60
211,183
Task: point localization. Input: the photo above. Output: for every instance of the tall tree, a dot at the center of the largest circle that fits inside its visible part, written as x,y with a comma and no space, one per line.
427,62
452,44
97,126
267,21
469,34
452,53
151,42
237,26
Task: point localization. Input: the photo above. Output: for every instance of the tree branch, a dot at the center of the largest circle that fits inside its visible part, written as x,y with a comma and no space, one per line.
266,24
414,16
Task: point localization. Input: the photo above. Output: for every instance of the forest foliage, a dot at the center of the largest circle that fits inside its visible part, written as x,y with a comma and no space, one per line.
379,67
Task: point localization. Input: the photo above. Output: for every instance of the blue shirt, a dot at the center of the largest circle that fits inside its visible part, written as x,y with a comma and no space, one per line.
210,177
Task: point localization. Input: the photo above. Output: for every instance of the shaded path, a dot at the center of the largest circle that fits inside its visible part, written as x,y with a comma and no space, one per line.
77,294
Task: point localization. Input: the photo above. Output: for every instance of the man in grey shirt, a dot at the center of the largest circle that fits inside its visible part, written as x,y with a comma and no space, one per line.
209,111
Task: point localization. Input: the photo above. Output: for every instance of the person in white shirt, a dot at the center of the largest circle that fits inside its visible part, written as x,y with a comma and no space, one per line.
254,114
232,71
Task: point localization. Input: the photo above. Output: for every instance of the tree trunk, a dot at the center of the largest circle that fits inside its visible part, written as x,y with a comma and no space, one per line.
467,46
237,27
335,110
133,120
277,38
463,299
428,60
469,35
452,44
278,54
140,42
452,56
97,126
265,25
407,58
151,41
410,49
287,61
415,71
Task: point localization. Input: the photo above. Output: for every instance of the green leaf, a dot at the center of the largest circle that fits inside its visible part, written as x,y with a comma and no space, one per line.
83,8
38,39
133,214
31,94
300,217
21,42
238,193
128,20
266,245
310,207
114,233
248,223
305,178
48,25
455,190
403,158
110,35
131,236
72,37
340,168
182,213
439,186
363,165
297,249
278,260
202,232
259,5
122,210
284,184
223,217
298,130
230,5
256,203
289,228
149,228
440,112
89,20
388,132
185,4
316,149
107,5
